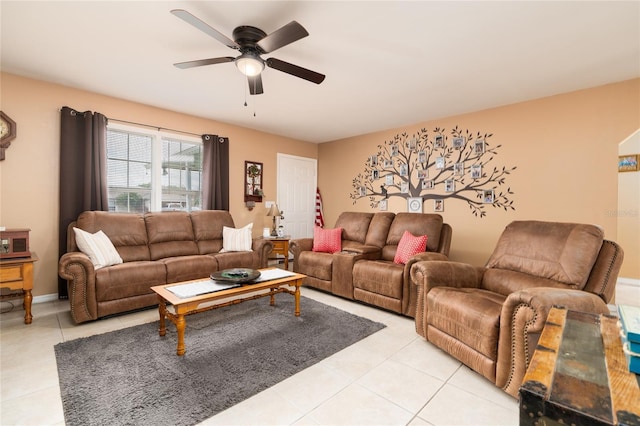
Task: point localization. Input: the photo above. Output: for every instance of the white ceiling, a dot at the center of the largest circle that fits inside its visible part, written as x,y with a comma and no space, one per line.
388,63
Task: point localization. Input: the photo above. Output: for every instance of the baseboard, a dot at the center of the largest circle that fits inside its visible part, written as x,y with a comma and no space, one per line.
45,298
628,281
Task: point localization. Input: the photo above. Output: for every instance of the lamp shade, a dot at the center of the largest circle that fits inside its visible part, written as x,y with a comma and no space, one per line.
249,65
273,210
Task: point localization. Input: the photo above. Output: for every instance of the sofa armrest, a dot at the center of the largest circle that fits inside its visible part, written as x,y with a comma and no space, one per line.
524,314
426,275
77,269
408,287
435,273
298,246
263,248
363,251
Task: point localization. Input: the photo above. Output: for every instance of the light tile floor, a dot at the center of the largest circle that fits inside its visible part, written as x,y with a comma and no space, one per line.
393,377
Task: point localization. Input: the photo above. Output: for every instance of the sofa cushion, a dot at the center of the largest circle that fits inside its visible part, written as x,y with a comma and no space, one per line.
327,240
184,268
379,229
129,279
237,259
237,239
170,234
355,225
316,264
98,247
379,277
207,229
127,232
505,282
409,246
563,252
471,315
418,224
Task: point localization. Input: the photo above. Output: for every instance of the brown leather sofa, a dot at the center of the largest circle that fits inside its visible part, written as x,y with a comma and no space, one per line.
156,249
491,317
364,270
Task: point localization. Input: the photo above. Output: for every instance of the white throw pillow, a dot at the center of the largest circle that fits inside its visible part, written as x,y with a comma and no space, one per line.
98,247
236,239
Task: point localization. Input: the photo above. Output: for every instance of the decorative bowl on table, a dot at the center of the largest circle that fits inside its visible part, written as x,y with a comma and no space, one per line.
236,275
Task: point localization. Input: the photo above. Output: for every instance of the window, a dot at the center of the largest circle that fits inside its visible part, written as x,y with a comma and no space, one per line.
151,170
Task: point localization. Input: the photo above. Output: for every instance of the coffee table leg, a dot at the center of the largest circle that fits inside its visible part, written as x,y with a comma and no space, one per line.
180,325
297,297
272,300
162,310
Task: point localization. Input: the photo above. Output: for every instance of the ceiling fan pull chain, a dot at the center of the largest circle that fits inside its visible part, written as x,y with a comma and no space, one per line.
255,100
245,94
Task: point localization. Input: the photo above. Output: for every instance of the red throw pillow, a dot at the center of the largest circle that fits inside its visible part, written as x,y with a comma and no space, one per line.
327,240
409,246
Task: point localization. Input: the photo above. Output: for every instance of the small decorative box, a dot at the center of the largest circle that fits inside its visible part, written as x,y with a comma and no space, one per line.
630,334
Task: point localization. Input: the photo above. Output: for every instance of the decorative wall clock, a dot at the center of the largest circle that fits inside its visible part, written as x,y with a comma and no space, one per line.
7,132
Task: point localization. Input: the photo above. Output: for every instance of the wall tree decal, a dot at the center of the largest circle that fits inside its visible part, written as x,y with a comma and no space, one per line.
438,167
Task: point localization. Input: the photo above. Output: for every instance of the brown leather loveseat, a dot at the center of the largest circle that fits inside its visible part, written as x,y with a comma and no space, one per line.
365,269
156,249
491,317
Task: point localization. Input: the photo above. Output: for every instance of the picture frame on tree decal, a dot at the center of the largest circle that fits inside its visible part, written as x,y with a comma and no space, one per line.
457,142
476,171
414,205
438,205
438,141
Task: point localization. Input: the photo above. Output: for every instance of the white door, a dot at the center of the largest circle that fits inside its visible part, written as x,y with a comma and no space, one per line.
297,182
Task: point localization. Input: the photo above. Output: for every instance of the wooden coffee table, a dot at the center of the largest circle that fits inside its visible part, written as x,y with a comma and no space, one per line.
191,305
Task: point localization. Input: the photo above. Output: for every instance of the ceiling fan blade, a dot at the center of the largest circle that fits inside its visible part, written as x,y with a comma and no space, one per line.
255,85
201,62
291,32
295,70
204,27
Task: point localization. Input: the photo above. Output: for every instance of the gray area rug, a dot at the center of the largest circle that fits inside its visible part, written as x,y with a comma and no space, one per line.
133,376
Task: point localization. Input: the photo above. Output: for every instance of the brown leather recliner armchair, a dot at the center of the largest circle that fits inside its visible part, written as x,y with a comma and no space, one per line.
490,318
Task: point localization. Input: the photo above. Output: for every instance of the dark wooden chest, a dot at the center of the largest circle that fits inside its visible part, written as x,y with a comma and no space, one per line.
579,374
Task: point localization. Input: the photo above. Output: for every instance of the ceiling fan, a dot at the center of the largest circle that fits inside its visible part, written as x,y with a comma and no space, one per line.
252,42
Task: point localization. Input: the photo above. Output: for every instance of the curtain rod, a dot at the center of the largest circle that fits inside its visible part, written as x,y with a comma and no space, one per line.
146,125
153,127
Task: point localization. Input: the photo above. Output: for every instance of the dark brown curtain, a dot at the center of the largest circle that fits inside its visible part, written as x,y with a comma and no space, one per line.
83,171
215,172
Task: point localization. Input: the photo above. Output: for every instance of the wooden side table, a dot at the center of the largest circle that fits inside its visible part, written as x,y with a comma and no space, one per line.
17,274
281,246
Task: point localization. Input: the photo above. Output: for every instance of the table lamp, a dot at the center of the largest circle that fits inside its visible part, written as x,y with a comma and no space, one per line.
274,212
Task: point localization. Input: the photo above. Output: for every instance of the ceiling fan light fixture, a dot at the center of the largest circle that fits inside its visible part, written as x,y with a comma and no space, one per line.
249,65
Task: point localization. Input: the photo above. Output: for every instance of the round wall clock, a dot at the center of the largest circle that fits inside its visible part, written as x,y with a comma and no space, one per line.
7,132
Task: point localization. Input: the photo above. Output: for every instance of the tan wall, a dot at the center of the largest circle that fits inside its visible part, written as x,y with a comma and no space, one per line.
565,148
29,188
628,212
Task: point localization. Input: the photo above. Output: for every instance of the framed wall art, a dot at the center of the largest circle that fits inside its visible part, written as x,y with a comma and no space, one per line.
628,163
253,181
414,205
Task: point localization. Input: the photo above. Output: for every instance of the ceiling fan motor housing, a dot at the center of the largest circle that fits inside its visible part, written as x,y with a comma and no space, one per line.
248,37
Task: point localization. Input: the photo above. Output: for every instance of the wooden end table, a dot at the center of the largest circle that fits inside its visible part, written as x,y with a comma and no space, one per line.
188,306
17,274
281,246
